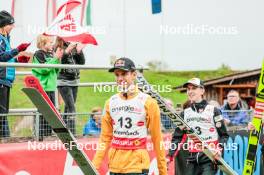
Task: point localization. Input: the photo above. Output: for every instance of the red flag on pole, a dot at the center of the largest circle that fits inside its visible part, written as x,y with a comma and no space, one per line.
66,27
13,7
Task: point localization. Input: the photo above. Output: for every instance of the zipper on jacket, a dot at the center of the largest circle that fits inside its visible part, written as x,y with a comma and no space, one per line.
197,158
75,71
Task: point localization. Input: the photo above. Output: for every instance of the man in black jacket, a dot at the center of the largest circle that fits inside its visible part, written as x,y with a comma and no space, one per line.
207,121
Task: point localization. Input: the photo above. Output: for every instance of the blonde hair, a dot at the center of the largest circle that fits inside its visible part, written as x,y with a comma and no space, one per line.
42,40
96,109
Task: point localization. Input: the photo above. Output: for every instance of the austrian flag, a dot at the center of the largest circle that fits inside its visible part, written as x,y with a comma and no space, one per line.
68,28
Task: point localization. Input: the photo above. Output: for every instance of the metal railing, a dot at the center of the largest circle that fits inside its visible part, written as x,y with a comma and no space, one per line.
61,66
64,66
237,119
29,124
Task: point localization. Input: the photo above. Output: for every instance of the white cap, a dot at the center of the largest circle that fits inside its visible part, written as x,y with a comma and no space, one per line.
194,81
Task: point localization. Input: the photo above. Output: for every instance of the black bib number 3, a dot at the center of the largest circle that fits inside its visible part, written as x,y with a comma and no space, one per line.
198,130
125,122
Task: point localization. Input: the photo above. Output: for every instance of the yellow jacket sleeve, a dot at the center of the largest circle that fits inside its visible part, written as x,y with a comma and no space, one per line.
153,124
105,137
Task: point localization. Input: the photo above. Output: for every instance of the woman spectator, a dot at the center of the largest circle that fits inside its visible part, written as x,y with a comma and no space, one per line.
68,79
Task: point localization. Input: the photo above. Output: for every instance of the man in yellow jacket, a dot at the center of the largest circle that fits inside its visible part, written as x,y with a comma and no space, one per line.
128,116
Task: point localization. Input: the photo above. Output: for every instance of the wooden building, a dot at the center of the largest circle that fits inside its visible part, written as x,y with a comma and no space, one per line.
244,82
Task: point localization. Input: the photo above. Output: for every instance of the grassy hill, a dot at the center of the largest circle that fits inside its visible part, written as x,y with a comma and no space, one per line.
87,98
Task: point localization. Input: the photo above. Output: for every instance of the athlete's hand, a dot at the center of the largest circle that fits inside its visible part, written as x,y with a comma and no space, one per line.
217,155
227,121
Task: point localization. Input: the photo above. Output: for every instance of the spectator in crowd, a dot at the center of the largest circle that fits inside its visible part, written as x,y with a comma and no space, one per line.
165,120
46,76
232,110
178,107
7,74
68,79
93,126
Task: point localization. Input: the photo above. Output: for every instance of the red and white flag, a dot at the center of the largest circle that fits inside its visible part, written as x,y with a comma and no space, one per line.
67,27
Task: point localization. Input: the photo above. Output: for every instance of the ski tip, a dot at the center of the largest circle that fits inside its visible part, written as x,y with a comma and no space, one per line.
32,81
29,79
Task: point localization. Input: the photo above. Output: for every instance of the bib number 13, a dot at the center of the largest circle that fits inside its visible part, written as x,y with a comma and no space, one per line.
125,122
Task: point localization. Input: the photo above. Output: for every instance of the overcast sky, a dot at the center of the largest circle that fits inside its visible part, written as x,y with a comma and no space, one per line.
187,35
